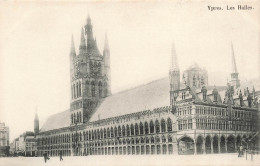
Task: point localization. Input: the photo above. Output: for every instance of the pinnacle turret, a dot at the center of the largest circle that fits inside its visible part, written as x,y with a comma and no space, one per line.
234,65
82,47
72,47
174,62
106,45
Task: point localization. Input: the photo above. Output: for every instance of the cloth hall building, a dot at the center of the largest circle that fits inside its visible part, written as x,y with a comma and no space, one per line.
165,116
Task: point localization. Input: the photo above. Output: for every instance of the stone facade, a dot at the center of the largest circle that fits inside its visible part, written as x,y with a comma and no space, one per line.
4,140
162,117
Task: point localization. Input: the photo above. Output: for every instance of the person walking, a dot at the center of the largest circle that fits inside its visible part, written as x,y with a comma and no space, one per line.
60,153
241,151
45,155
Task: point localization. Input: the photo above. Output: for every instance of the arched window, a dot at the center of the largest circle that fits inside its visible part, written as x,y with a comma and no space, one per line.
115,130
101,134
108,133
72,118
77,117
163,139
87,88
132,130
87,135
157,126
92,134
79,89
100,89
98,134
80,117
119,131
141,128
169,138
146,128
95,134
169,124
112,132
158,140
163,125
123,130
136,129
127,130
93,92
74,91
147,140
151,127
194,81
152,139
105,133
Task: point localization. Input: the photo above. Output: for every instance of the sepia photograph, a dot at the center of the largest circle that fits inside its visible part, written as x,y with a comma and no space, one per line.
147,83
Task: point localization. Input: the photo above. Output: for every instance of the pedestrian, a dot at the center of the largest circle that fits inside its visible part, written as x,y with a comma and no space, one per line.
239,152
45,156
60,153
241,149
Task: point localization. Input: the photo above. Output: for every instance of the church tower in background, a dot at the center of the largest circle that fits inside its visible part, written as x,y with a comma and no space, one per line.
234,82
89,75
36,124
174,76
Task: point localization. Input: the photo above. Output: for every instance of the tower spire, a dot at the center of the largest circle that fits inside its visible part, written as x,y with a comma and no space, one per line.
174,62
36,123
234,66
82,47
235,82
174,75
106,45
72,47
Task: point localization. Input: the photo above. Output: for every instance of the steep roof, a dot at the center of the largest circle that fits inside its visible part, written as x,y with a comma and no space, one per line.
57,121
148,96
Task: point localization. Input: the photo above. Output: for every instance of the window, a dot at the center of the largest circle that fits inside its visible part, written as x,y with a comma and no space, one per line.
190,124
151,127
119,131
146,128
136,129
163,125
157,126
93,93
127,130
100,89
123,130
141,128
132,130
169,124
79,88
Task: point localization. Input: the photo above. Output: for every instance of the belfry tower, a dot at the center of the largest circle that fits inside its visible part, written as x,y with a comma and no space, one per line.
89,75
174,75
234,82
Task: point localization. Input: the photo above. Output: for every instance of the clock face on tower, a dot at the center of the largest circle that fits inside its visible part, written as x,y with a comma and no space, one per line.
95,69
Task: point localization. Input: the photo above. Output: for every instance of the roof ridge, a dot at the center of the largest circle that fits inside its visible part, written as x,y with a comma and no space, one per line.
138,86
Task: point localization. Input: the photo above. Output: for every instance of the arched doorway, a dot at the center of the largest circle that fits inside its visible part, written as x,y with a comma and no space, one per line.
231,144
199,145
208,145
222,144
215,144
186,145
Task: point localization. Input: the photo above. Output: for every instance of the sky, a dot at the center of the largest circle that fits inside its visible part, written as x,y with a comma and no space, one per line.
35,45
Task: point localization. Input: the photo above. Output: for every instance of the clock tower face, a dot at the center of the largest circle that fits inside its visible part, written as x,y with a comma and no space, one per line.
95,69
